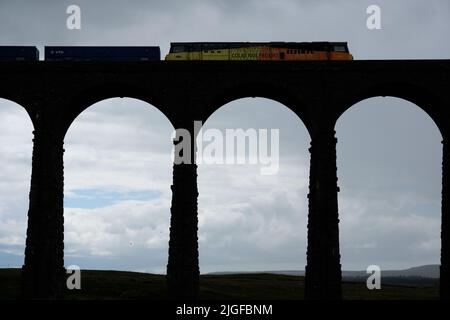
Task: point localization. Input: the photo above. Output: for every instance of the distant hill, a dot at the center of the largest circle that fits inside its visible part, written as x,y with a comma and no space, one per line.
427,271
106,285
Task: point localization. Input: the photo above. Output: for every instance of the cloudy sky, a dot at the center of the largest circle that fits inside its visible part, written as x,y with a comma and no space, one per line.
118,152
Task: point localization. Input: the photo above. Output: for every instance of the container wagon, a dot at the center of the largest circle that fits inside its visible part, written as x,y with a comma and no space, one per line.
19,53
86,53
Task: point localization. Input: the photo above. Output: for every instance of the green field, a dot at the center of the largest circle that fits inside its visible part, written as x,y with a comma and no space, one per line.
132,285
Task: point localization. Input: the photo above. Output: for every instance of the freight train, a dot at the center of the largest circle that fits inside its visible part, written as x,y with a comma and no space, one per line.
261,51
182,51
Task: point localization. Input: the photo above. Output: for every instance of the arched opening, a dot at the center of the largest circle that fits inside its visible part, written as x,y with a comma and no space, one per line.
118,172
389,157
16,132
251,221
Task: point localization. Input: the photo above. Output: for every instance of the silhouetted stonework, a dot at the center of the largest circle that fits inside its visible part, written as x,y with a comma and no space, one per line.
323,270
445,233
55,93
183,268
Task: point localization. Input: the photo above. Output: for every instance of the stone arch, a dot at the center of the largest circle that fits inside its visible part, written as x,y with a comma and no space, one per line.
16,161
81,100
143,106
281,94
295,214
21,103
421,97
423,111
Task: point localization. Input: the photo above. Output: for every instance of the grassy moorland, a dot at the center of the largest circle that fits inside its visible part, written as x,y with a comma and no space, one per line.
132,285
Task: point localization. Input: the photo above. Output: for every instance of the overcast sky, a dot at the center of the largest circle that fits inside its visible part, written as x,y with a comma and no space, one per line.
118,152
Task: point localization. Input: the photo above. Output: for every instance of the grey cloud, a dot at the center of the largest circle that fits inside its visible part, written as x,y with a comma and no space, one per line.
404,186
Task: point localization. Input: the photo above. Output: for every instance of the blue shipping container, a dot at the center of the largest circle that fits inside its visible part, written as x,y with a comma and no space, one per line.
19,53
102,53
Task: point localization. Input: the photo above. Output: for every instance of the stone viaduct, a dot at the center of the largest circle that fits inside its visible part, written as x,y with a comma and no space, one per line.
55,93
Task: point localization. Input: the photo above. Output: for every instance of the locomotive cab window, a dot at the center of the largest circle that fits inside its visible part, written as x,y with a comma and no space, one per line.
340,49
177,49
